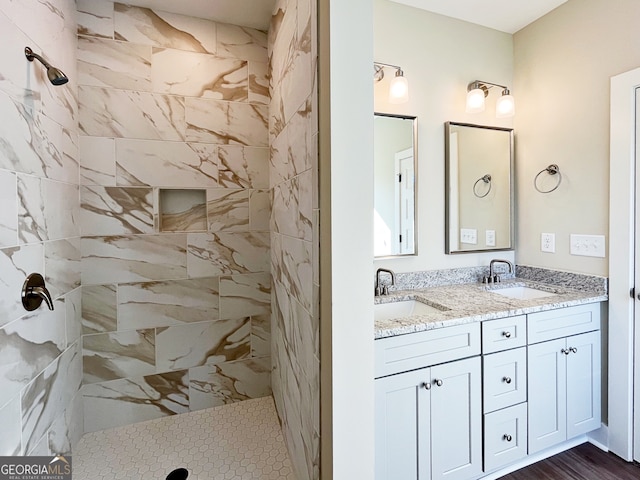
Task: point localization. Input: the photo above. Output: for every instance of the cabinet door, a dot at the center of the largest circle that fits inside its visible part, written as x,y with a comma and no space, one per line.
402,426
546,394
456,420
583,384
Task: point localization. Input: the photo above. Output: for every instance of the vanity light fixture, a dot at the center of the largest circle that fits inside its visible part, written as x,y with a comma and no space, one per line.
399,86
479,89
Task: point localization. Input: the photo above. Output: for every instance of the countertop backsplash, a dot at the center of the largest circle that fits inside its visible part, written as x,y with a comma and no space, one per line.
576,281
453,276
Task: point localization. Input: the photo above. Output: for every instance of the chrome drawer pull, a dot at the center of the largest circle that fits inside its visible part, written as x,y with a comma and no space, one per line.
506,379
506,334
507,437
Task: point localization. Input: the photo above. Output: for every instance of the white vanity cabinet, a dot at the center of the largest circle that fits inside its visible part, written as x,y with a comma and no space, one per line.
429,420
454,402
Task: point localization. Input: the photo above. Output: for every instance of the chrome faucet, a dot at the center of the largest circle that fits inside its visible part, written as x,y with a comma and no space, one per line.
384,290
494,277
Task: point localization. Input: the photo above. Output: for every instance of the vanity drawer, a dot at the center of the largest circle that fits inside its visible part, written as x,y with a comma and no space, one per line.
563,322
504,333
505,436
422,349
504,379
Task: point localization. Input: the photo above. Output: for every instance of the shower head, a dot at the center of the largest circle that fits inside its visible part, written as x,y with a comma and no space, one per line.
56,76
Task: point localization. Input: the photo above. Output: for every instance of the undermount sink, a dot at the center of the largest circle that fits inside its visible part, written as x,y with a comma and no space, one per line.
405,308
522,293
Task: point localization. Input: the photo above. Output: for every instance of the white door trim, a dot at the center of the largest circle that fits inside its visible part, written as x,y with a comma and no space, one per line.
621,262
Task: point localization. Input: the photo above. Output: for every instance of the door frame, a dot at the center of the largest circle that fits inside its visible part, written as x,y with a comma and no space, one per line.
621,262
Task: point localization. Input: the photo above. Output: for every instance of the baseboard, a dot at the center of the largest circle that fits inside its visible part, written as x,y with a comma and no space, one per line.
600,438
536,457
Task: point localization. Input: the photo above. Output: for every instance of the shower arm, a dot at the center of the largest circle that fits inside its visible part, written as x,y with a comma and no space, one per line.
30,54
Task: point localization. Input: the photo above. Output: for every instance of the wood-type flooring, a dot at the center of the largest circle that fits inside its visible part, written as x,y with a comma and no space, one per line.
584,462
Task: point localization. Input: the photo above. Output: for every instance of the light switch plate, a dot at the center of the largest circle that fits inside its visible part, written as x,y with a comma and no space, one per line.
469,235
548,242
490,238
588,245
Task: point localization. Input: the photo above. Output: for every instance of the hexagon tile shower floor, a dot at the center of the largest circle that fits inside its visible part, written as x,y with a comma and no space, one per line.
239,441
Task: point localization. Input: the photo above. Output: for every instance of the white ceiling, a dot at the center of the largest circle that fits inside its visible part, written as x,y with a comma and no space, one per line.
504,15
248,13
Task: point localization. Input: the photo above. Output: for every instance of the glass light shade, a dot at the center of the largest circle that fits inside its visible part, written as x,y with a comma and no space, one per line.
505,106
399,90
475,101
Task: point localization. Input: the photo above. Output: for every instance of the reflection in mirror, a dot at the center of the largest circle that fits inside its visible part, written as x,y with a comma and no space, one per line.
479,183
395,166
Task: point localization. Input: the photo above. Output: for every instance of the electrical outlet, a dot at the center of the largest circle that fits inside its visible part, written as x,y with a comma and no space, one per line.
490,238
588,245
548,242
469,235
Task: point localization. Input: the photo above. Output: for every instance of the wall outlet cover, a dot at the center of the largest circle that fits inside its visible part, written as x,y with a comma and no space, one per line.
490,238
548,242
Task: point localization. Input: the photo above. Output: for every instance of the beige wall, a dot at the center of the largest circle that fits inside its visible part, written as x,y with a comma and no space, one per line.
563,63
439,56
346,199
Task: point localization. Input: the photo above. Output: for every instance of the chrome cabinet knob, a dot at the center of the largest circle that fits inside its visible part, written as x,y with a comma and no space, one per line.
506,379
565,351
506,334
507,437
438,382
573,349
426,386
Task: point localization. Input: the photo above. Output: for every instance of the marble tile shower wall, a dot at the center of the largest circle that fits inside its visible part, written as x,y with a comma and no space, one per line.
40,351
173,320
293,125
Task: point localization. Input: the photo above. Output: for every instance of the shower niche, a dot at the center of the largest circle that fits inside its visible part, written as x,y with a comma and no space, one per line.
182,210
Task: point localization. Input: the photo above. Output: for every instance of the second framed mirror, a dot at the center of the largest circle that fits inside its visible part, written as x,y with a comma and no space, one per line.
479,201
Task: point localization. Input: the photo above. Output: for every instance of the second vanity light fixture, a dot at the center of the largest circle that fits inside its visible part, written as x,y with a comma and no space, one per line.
399,87
479,89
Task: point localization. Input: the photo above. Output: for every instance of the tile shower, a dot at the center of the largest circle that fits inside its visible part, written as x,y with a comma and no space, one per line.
174,213
169,195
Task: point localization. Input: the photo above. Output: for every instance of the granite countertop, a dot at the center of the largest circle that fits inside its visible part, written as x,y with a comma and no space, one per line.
474,302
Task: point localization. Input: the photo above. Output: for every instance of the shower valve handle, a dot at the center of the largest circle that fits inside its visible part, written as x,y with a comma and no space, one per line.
34,292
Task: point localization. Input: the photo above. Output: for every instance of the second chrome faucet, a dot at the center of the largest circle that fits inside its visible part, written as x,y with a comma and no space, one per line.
494,277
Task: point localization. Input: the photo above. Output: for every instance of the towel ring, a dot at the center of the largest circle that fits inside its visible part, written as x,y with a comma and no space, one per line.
485,179
552,169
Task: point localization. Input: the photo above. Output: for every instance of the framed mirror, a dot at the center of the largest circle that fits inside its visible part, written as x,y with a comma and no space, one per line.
395,168
479,182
